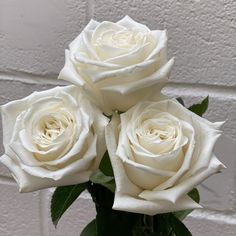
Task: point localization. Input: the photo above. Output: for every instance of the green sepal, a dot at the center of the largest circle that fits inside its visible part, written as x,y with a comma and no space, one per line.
105,165
200,108
62,199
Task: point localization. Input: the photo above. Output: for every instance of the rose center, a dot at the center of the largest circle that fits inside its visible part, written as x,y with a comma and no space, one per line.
124,39
160,131
52,126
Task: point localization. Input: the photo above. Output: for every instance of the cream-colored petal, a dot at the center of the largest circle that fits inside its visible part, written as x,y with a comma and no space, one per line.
161,46
159,76
123,184
29,183
69,72
90,26
94,65
170,161
128,22
206,138
144,176
126,72
181,188
126,202
132,57
79,165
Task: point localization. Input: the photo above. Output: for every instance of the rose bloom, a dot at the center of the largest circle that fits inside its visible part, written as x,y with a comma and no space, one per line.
159,152
52,138
118,63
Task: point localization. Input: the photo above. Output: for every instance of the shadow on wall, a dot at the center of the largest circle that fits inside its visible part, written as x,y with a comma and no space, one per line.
217,193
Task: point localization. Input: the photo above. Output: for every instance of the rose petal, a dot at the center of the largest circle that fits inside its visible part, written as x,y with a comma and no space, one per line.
132,56
69,72
29,183
159,76
122,181
90,26
128,22
79,165
125,202
127,71
174,193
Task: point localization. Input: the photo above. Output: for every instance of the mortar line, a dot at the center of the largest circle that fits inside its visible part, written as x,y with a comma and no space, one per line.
204,89
29,78
202,86
227,217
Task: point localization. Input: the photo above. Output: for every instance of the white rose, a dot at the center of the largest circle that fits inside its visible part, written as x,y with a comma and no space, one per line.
159,153
118,63
52,138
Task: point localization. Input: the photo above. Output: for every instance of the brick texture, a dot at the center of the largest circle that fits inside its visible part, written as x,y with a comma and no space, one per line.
202,34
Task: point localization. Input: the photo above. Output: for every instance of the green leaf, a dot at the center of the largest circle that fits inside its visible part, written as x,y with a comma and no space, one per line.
106,181
105,165
90,229
178,228
62,198
180,100
200,108
194,194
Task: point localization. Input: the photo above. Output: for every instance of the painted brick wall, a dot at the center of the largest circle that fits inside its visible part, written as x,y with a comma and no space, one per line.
202,37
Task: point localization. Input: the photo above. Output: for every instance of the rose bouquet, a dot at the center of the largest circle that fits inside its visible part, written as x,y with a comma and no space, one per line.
113,133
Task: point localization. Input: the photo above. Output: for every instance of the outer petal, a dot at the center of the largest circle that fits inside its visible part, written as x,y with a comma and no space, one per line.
43,171
175,193
122,102
128,22
70,168
161,39
69,72
123,184
29,183
129,73
159,76
125,202
90,26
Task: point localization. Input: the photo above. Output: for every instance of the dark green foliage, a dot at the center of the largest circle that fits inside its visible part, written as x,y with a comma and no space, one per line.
200,108
105,165
90,229
62,198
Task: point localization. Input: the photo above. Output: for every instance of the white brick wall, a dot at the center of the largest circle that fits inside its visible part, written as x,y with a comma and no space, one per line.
202,37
